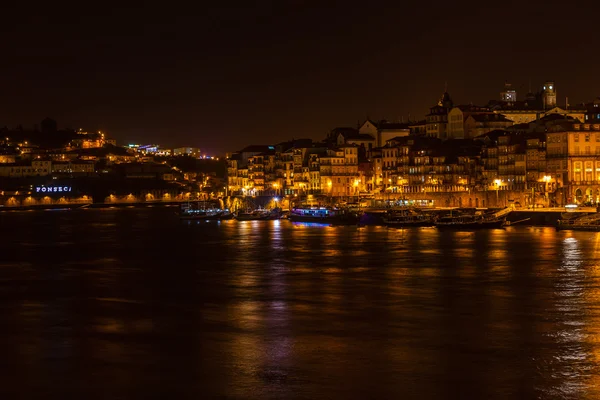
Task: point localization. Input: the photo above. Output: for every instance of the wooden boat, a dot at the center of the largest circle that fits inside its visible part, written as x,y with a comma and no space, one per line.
191,211
589,222
252,216
225,215
260,214
406,218
469,222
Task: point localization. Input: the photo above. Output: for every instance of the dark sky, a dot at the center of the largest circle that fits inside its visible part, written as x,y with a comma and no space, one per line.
222,76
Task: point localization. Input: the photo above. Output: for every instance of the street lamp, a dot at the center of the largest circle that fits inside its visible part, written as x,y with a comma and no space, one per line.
497,182
546,180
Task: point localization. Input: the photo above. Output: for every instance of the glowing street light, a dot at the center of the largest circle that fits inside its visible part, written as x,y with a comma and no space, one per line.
497,182
546,180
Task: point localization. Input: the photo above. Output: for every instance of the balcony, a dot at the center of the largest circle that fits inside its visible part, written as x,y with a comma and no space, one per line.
589,183
584,155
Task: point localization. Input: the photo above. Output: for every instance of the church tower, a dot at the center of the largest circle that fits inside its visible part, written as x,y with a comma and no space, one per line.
549,95
509,95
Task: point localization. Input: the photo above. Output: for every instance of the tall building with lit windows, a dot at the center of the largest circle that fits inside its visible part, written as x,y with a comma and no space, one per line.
573,161
437,119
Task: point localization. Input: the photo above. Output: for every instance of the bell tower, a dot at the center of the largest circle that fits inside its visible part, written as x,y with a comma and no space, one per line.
549,95
509,95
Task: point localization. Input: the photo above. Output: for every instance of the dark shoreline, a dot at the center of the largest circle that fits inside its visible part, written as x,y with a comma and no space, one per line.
532,218
57,207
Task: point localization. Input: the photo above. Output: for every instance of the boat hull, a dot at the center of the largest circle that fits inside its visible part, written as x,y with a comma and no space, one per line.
407,224
470,225
332,220
205,217
251,218
574,227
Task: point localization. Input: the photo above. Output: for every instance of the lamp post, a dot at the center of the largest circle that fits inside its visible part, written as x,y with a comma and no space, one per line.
546,180
497,182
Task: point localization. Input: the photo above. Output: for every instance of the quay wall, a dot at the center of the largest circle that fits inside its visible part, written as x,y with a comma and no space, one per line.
15,202
479,199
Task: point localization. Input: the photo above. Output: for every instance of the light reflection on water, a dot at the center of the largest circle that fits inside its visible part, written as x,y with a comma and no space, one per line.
311,225
272,309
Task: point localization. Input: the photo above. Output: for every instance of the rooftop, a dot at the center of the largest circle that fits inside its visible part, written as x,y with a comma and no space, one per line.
362,136
489,117
257,148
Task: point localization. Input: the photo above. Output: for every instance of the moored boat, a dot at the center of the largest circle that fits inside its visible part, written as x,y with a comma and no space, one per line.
251,216
469,222
226,215
192,211
590,222
324,215
407,218
259,215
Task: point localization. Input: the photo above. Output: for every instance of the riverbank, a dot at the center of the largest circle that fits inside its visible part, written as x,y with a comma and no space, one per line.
74,206
372,216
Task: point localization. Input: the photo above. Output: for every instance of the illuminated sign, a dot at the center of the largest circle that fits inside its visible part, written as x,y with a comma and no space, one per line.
52,189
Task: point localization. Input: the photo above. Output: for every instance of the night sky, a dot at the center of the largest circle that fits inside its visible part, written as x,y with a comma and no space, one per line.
222,76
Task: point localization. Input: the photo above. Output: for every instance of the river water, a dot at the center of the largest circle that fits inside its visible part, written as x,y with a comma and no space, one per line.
134,303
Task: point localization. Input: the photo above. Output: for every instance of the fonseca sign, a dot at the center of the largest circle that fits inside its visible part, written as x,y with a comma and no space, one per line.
52,189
